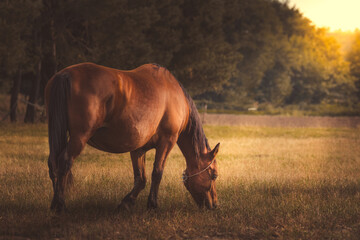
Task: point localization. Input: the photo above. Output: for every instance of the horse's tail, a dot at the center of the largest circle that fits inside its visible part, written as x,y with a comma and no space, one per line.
58,118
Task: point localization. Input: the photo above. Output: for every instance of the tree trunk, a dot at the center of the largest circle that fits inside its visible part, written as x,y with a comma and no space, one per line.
14,96
49,15
34,95
53,39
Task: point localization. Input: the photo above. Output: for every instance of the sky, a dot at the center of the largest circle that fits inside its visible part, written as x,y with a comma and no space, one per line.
335,14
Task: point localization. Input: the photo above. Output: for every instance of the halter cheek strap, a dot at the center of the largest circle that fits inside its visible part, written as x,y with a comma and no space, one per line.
186,177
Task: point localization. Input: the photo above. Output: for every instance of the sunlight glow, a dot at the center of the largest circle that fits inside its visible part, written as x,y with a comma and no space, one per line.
334,14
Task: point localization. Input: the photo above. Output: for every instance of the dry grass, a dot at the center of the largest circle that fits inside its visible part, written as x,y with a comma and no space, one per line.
281,121
274,183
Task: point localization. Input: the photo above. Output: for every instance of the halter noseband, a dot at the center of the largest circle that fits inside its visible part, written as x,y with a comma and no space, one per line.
186,177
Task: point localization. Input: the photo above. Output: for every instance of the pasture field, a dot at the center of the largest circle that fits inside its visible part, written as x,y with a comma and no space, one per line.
274,183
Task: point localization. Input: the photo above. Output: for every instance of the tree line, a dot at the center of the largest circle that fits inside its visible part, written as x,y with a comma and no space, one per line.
230,52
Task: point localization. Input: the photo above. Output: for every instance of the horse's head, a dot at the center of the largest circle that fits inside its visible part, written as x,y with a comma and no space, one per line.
201,182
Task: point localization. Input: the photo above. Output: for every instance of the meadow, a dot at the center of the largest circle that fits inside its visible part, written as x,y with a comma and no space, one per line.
274,183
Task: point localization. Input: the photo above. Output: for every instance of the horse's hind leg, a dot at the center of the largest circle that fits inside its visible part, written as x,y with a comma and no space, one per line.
52,173
138,162
63,171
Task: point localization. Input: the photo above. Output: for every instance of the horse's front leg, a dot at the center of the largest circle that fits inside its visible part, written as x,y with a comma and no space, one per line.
162,151
138,162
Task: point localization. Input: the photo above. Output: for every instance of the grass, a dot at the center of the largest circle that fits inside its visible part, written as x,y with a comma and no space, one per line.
322,109
274,183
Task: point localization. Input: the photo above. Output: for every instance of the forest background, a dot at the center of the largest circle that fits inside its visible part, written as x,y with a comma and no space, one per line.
232,55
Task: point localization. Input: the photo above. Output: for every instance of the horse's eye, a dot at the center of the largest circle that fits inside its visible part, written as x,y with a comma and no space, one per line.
184,176
214,176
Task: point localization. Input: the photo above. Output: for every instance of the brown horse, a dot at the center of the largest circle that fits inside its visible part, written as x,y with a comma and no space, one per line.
127,111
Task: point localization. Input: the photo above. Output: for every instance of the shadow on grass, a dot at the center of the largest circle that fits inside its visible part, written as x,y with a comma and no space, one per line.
252,210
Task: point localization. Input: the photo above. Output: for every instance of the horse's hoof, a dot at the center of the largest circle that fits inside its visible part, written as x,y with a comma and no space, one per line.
151,205
57,206
125,206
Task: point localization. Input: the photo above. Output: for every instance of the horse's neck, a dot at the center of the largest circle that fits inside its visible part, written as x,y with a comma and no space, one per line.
185,143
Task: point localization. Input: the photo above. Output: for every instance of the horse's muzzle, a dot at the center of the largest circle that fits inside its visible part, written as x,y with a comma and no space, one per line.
210,202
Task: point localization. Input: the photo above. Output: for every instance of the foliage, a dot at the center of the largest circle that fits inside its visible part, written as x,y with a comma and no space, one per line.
229,52
16,44
354,59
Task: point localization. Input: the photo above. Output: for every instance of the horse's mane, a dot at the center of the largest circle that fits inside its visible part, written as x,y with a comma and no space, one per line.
194,127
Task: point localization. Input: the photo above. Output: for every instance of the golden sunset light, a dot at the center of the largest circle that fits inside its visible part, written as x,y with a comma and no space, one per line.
333,14
166,119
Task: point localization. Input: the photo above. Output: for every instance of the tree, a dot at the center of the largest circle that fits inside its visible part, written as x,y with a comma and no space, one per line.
353,57
15,57
255,31
320,70
118,30
235,52
164,32
204,60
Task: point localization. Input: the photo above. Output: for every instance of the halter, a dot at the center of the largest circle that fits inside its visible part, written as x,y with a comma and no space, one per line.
185,177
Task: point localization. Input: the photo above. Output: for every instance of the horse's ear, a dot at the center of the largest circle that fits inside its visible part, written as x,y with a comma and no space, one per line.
214,151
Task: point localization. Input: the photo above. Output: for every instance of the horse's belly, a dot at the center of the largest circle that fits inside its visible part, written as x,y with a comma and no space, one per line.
117,140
